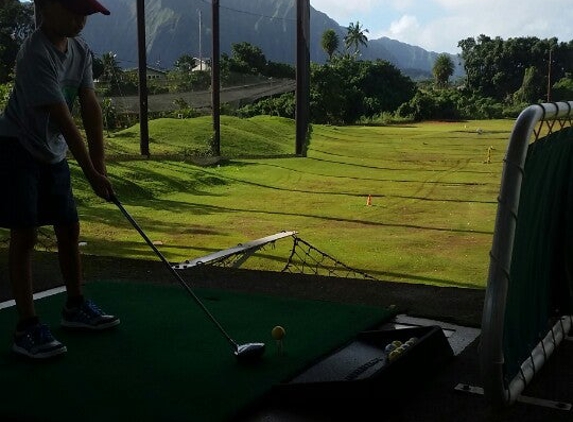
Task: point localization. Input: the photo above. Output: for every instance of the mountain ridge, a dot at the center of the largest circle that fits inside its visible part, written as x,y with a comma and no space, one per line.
172,30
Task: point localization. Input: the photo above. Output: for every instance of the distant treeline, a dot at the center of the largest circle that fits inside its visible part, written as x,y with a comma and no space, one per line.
501,77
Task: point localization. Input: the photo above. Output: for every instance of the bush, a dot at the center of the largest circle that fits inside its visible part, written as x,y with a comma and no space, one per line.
437,105
346,90
5,91
281,106
563,89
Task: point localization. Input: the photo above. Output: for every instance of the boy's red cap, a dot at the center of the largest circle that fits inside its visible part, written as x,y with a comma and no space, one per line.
84,7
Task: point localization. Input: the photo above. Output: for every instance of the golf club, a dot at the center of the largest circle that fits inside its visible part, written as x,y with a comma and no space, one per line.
243,352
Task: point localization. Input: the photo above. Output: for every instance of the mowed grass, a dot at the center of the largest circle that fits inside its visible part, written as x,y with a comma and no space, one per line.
434,196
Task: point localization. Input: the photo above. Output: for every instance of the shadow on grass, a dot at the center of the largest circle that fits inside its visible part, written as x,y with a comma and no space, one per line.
361,194
103,215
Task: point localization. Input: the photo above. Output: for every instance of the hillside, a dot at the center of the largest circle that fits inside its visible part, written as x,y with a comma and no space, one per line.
172,29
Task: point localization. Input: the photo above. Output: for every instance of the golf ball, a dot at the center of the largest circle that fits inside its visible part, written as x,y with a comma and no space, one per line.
397,343
393,355
278,332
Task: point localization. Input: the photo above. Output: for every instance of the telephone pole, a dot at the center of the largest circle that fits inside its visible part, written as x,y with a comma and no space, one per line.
549,75
200,39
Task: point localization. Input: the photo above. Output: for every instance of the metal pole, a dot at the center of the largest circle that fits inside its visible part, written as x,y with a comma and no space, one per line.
302,74
36,16
142,53
549,76
216,81
200,40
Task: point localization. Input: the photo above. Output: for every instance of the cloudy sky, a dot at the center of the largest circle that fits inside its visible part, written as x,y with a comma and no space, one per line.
438,25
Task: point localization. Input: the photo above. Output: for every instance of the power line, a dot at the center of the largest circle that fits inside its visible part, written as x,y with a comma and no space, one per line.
251,13
236,11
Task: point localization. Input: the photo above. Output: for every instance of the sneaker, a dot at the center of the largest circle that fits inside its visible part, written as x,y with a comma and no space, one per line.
37,342
88,316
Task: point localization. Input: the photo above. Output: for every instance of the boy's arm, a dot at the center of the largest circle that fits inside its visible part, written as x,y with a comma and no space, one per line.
93,125
61,115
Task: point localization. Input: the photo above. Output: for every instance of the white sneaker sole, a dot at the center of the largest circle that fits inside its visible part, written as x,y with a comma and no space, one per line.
42,355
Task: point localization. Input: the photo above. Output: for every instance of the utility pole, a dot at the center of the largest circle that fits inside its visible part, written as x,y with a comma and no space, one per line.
200,39
549,75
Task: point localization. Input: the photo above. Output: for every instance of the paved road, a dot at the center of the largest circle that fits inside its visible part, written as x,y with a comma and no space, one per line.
202,99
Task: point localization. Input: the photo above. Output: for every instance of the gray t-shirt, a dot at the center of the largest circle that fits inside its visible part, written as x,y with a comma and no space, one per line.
45,76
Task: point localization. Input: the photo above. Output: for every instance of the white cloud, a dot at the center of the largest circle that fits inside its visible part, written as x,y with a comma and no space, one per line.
343,7
404,28
438,25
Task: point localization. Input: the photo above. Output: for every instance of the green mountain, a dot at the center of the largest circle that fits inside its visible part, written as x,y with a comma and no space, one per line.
173,28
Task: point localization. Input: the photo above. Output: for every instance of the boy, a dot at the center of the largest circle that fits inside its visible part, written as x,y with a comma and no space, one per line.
53,67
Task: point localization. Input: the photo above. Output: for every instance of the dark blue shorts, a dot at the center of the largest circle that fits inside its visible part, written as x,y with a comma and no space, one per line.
33,193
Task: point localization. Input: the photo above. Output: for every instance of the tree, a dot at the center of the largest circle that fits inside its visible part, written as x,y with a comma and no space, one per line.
330,42
355,37
185,63
247,58
111,71
443,70
528,93
496,68
16,23
563,89
347,89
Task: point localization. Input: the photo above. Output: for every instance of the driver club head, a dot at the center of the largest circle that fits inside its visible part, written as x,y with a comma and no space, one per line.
249,351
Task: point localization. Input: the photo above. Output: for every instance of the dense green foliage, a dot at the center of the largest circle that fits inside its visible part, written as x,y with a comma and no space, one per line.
5,90
563,89
451,104
16,22
500,68
347,89
249,59
344,91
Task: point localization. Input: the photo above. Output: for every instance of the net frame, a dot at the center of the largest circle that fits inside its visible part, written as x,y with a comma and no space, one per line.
234,257
303,258
533,122
307,259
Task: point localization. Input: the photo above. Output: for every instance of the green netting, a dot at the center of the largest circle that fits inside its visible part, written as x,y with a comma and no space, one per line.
539,289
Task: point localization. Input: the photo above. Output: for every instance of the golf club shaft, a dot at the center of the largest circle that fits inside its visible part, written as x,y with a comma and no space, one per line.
172,270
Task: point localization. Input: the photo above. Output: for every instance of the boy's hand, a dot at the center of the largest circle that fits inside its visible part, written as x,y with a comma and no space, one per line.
101,186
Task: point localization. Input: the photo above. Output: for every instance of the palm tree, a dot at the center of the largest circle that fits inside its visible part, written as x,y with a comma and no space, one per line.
355,37
111,70
443,69
330,42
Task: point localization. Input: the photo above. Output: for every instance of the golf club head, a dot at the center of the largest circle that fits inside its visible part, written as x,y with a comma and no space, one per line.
249,352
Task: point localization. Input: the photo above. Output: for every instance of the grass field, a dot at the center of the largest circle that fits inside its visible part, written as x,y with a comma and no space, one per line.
434,198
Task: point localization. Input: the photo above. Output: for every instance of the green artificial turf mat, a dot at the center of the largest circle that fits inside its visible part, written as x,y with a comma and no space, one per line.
167,360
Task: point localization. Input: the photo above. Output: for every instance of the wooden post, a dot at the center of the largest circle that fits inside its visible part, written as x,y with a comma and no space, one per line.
142,52
302,74
216,81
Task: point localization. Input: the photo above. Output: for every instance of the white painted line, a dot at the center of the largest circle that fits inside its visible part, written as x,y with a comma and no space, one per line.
39,295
